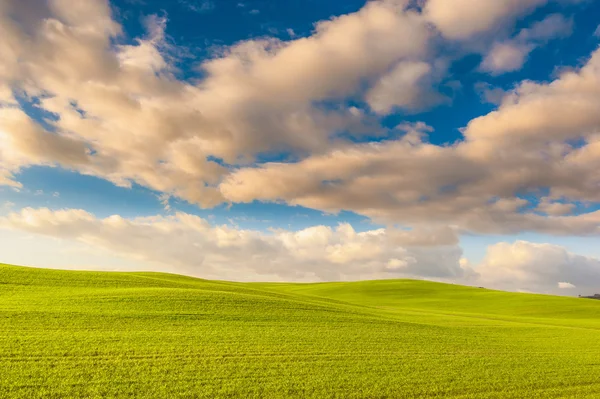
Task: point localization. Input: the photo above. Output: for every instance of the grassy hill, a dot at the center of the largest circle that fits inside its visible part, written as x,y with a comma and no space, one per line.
151,335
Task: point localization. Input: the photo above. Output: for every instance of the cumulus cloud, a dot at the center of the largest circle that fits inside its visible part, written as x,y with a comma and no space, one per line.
462,19
538,268
409,181
24,141
188,244
117,110
121,114
554,208
544,116
506,57
408,86
542,136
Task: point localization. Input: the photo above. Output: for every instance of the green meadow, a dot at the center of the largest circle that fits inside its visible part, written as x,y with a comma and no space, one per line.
73,334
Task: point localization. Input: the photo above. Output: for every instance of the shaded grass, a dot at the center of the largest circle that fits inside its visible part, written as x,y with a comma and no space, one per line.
91,334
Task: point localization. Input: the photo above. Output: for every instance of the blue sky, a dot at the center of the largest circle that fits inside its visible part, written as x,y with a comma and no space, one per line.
261,118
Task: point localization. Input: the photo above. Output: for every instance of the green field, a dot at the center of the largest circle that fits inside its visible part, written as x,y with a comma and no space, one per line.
93,334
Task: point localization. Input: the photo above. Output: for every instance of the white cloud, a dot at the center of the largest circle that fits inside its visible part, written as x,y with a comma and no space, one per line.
506,57
510,55
489,94
7,179
565,285
543,116
552,208
123,116
22,141
526,145
538,268
462,19
165,201
187,244
552,26
445,185
407,86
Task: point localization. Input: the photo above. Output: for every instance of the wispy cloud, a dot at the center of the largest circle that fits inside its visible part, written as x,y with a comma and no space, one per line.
165,201
199,6
511,55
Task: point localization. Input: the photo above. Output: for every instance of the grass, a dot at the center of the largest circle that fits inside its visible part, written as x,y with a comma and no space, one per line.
70,334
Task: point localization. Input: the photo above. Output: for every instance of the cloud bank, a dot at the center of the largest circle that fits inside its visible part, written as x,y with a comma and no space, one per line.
190,245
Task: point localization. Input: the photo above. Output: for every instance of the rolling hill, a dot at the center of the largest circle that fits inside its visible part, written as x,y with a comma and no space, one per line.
103,334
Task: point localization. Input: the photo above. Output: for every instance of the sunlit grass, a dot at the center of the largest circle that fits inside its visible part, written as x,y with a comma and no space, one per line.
89,334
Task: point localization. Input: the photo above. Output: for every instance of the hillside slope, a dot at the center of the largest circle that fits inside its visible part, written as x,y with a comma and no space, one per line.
427,297
94,334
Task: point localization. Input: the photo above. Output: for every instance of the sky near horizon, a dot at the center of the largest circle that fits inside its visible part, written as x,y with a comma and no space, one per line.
304,140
